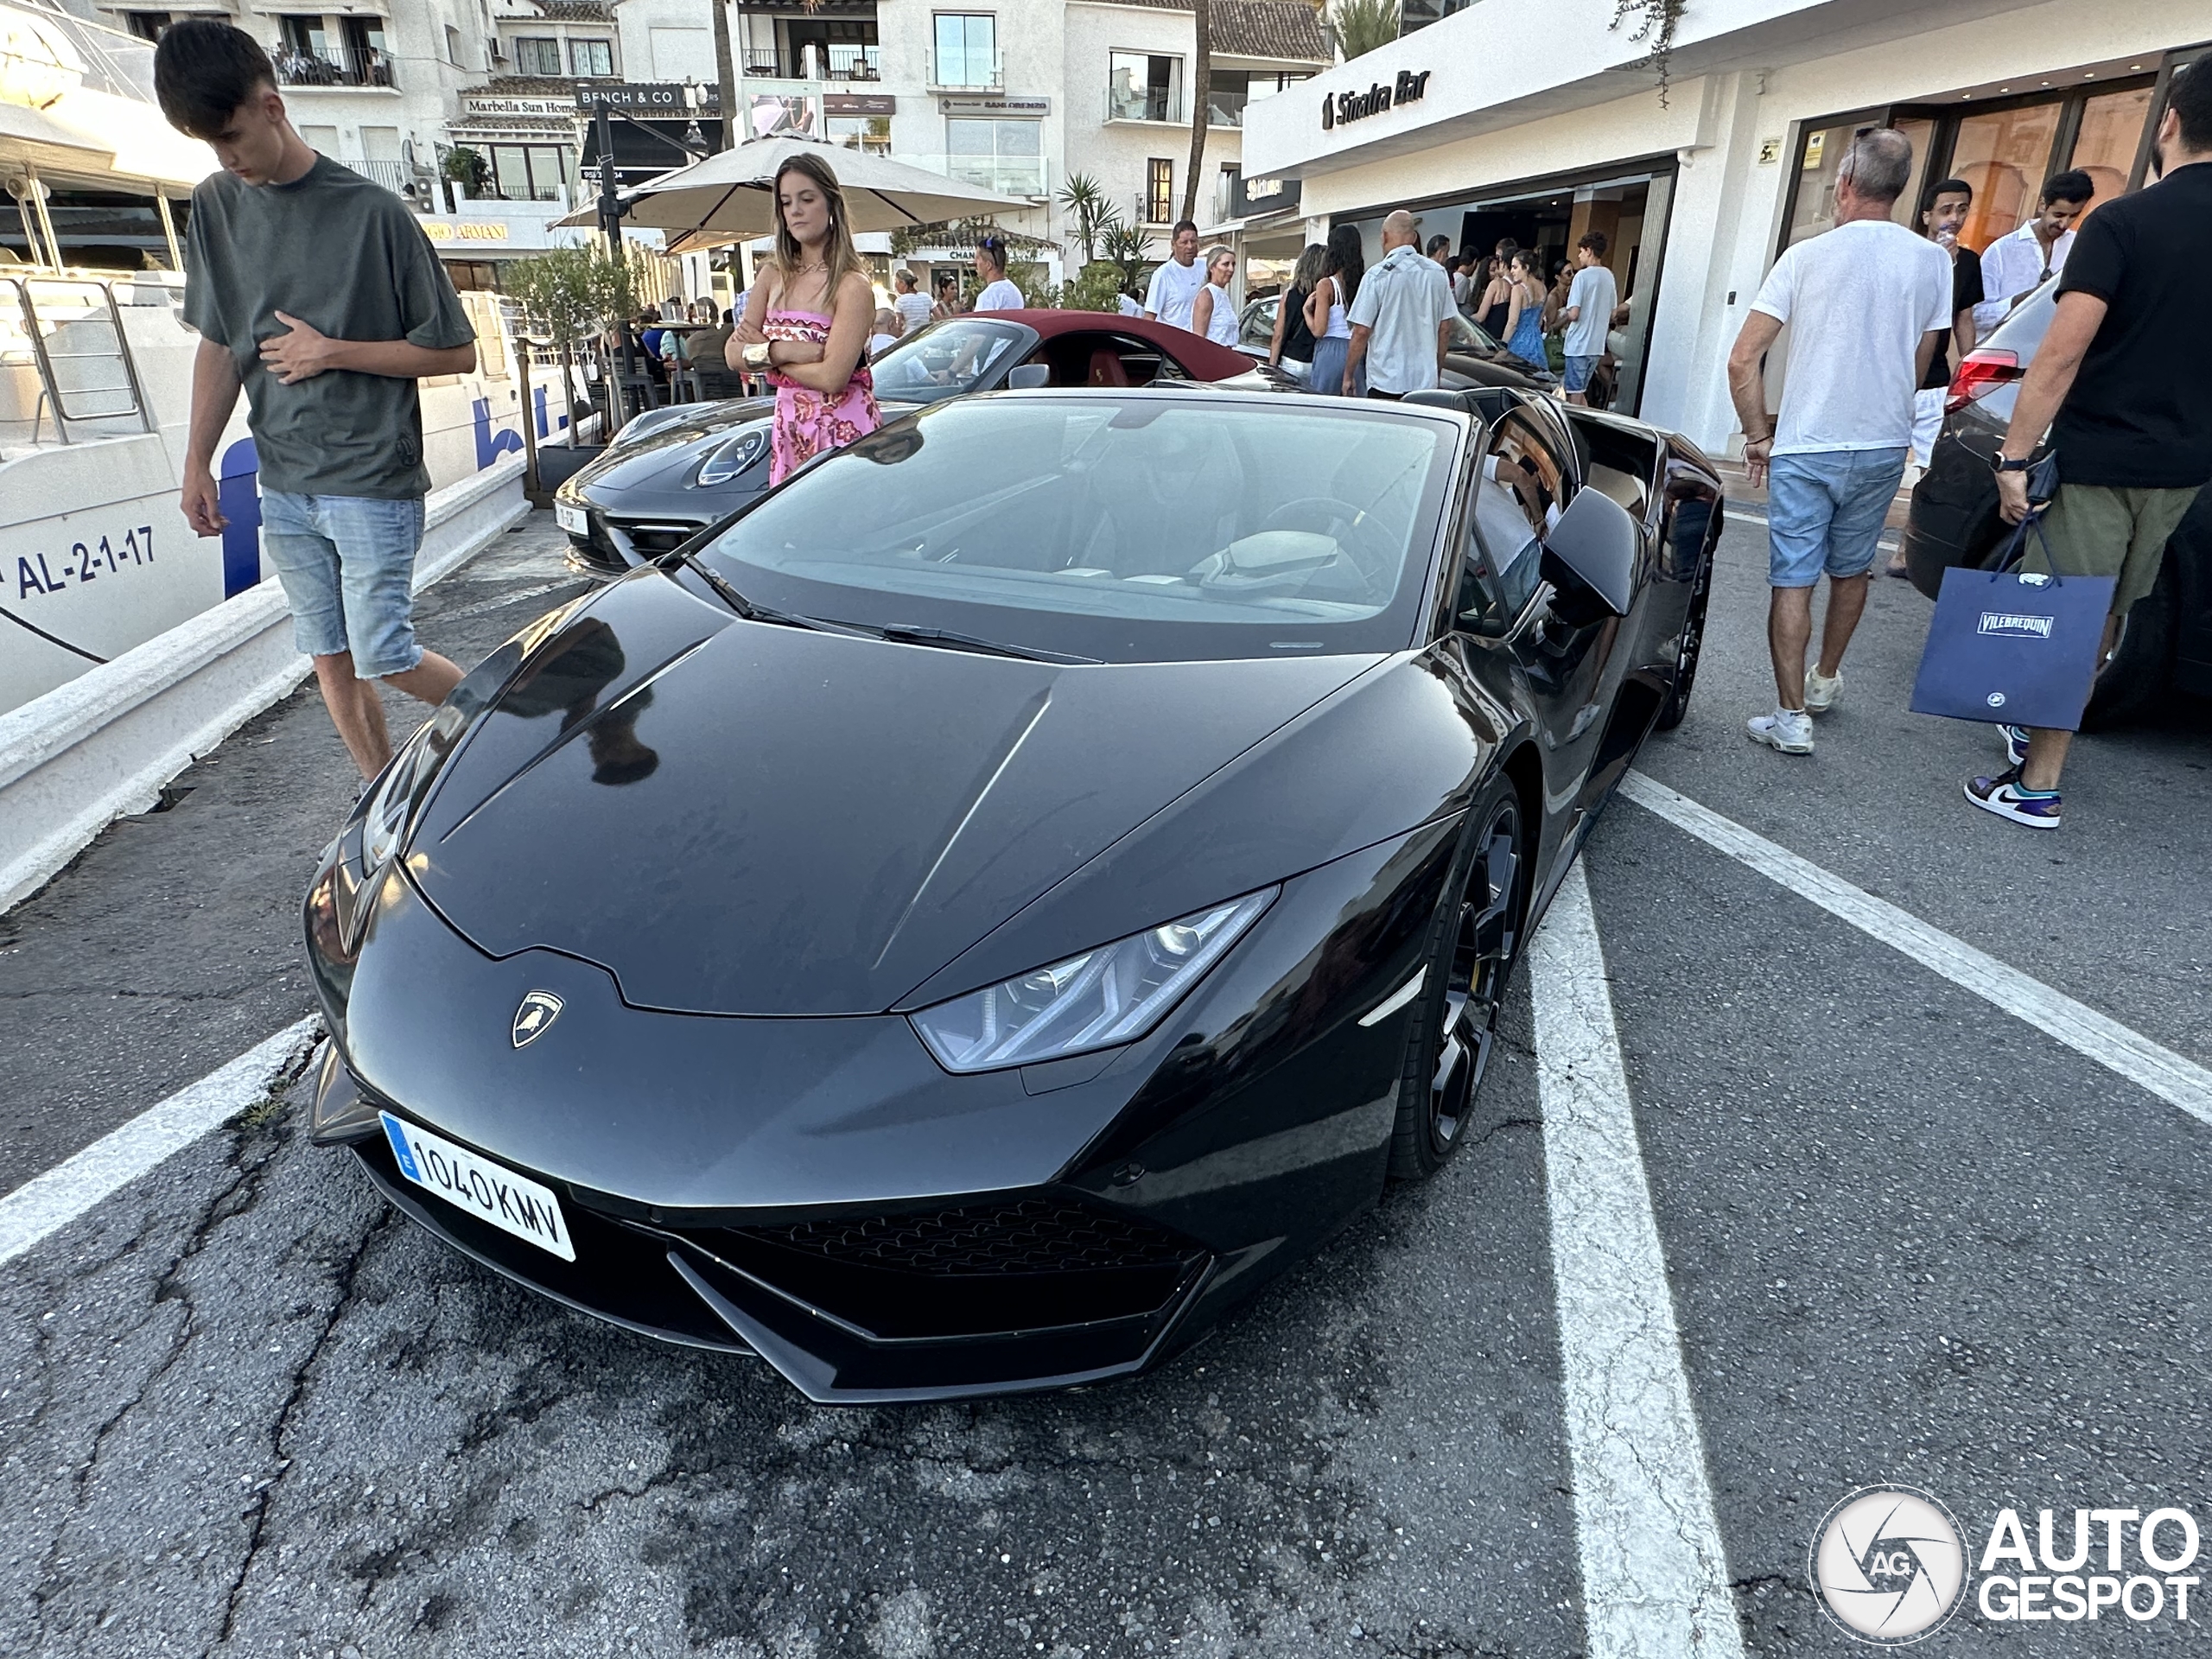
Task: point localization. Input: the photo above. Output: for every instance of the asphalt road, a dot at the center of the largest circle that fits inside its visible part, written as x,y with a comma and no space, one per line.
245,1409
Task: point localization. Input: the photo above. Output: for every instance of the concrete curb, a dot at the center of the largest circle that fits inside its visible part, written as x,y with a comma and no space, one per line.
101,746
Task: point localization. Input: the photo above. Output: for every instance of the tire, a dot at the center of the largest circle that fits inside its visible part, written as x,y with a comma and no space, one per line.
1473,944
2141,662
1690,648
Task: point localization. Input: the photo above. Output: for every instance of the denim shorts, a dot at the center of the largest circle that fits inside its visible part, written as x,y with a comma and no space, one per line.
1824,513
347,563
1578,371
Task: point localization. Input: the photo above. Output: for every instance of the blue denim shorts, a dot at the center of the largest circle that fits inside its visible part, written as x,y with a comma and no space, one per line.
347,563
1824,513
1578,371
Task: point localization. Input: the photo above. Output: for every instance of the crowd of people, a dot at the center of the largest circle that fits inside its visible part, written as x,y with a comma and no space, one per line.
2113,417
1878,313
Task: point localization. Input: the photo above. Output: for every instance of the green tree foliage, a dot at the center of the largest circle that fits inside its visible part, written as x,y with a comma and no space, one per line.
1099,288
1085,202
1362,26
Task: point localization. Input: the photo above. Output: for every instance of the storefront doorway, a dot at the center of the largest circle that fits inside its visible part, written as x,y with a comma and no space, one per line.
2004,141
1629,208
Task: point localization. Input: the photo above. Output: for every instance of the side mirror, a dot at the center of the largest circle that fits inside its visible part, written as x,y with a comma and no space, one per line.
1028,376
1594,544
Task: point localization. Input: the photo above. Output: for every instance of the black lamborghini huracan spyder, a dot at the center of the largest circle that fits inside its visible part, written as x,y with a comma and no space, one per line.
988,906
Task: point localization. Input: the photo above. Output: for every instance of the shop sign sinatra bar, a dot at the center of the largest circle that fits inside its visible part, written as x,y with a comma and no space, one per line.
1408,88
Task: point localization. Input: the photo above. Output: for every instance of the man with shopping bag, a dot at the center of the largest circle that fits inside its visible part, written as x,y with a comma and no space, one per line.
2121,383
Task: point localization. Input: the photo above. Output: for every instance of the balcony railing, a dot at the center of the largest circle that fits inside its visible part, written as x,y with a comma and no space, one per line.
842,63
1146,104
335,66
392,175
1010,175
1224,105
964,73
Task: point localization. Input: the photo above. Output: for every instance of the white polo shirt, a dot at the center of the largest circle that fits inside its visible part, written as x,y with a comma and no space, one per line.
1401,303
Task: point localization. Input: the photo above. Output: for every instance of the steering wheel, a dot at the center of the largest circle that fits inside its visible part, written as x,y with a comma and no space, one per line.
1323,515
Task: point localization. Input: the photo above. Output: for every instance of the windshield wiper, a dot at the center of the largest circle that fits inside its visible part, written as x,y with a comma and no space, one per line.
907,634
754,612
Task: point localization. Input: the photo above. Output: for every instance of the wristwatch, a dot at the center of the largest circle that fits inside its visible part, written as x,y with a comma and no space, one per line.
756,357
2008,464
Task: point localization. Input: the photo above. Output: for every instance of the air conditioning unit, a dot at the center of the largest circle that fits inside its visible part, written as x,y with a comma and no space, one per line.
493,53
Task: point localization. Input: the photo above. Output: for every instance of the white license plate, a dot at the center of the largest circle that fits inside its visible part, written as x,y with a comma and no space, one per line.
486,1190
571,519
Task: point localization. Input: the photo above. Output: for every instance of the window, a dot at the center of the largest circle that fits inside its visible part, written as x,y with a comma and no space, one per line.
529,172
2104,144
591,58
2005,154
1144,87
538,54
147,25
452,45
1518,501
869,132
967,49
1227,92
1159,191
1006,156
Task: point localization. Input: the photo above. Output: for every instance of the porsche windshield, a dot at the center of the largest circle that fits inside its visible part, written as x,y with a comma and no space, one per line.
1128,526
947,360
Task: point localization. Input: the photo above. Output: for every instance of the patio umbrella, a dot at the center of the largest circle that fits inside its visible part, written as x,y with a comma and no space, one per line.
726,198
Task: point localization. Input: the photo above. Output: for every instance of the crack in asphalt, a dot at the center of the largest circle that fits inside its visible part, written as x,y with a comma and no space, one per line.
265,1491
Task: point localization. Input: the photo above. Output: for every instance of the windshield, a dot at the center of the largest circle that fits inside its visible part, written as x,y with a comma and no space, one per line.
949,358
1128,527
1472,338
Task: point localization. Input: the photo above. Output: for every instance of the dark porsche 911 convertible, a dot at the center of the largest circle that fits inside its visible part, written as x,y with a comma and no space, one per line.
1071,849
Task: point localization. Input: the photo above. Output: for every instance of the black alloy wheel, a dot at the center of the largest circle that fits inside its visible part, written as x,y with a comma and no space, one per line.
1687,651
1476,941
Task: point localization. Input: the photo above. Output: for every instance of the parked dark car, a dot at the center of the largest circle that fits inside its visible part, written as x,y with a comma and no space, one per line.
673,471
2166,641
1475,358
1073,847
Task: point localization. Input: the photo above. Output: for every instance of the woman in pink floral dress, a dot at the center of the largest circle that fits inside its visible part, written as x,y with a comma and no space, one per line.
806,322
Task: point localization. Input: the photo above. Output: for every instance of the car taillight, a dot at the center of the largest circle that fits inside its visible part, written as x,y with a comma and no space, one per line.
1982,372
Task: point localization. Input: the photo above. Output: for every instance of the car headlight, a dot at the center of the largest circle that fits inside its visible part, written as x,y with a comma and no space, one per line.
1101,999
405,781
732,457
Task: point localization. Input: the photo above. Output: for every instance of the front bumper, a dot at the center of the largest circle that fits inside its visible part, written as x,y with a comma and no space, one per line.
818,1192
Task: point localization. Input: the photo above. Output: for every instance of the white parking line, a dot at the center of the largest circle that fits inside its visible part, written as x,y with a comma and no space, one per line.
2129,1054
1655,1576
52,1200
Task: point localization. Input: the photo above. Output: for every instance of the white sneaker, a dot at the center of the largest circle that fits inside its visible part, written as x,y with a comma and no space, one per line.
1821,691
1790,730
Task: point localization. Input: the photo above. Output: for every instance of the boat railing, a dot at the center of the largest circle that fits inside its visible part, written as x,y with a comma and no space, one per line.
63,360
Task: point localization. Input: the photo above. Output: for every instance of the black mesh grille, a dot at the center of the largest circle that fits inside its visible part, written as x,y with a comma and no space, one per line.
1040,1234
652,538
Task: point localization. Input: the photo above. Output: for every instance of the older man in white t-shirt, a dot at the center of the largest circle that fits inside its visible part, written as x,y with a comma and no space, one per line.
1867,304
1175,285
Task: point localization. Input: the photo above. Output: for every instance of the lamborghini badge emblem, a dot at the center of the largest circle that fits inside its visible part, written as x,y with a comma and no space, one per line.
535,1017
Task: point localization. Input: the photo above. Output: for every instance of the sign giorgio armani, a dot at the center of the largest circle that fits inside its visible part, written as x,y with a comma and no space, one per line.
1411,85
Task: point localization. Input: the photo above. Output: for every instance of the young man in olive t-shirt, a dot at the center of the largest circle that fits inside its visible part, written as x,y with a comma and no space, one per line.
314,291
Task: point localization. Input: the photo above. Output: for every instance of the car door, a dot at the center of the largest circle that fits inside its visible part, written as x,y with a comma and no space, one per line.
1562,641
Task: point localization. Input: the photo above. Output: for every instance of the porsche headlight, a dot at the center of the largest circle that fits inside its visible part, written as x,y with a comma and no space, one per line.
733,456
1103,998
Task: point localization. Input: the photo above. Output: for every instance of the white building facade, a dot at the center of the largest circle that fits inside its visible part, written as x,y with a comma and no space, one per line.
1017,95
1534,120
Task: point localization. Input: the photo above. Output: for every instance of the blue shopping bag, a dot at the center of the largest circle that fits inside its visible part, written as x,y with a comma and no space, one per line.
2006,645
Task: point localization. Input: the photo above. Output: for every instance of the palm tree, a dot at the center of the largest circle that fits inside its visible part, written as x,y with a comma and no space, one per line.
1085,202
1202,52
1364,25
